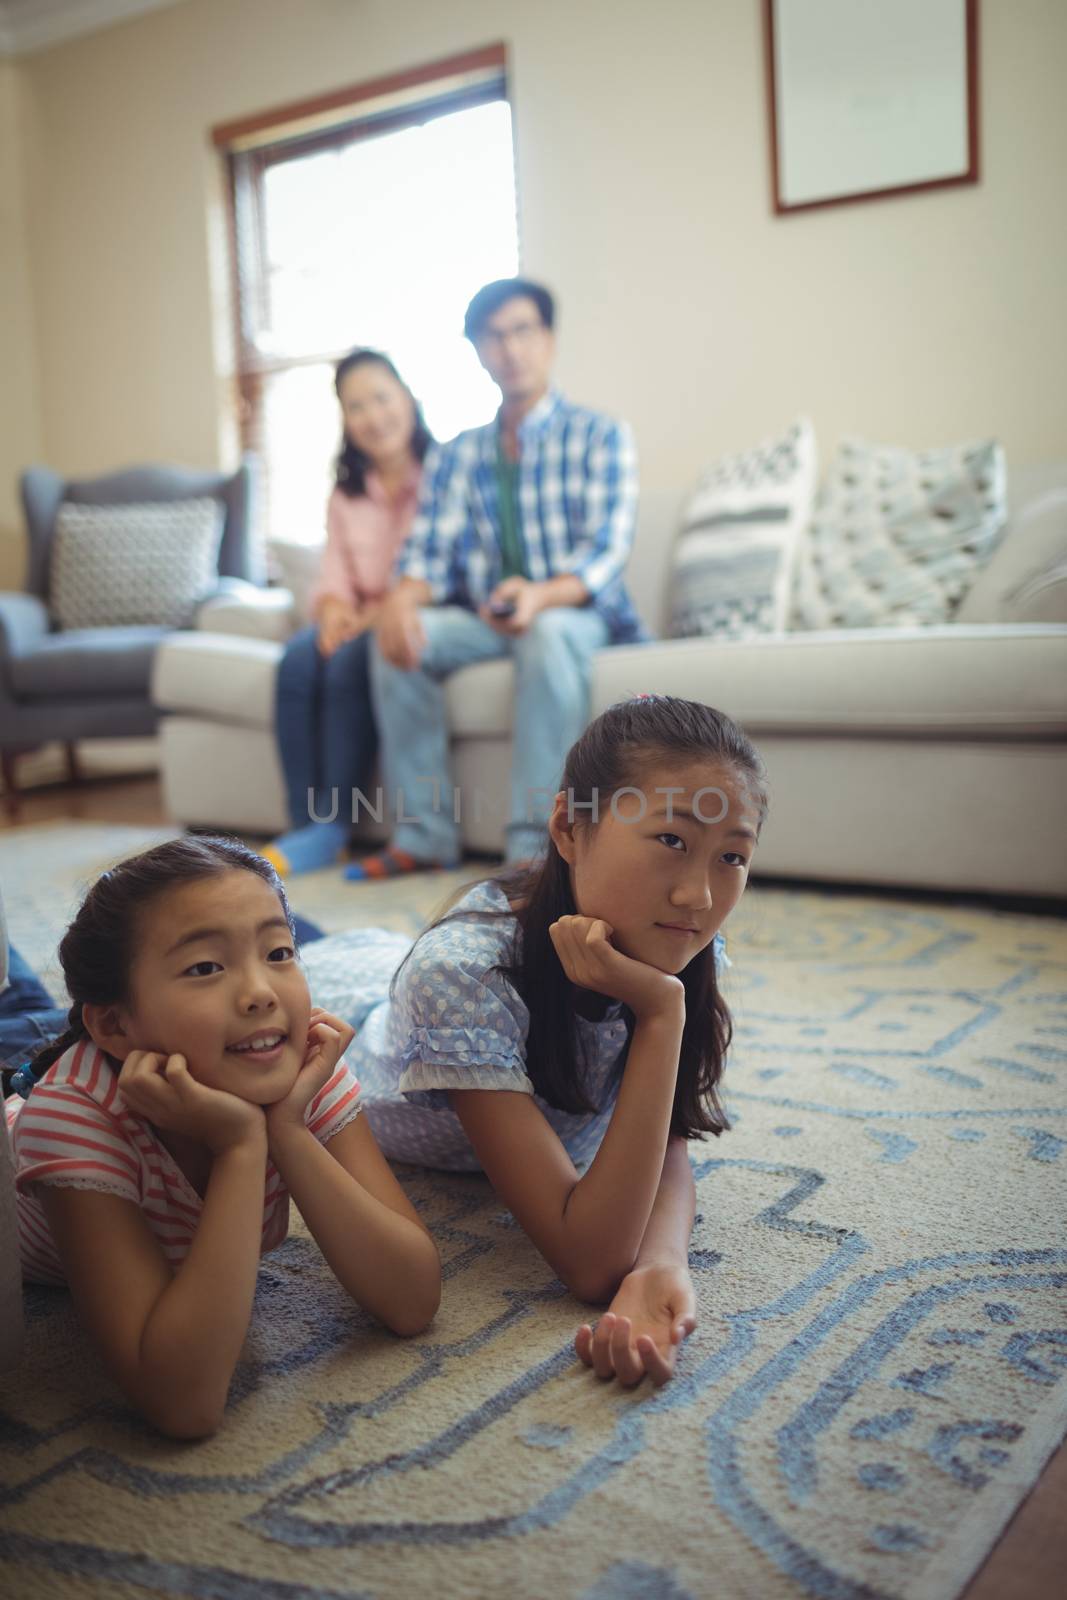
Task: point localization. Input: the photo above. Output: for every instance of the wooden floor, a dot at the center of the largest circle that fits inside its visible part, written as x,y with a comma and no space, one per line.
135,801
1030,1560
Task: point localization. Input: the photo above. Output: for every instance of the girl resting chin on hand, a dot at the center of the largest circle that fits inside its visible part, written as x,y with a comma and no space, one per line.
195,1091
562,1028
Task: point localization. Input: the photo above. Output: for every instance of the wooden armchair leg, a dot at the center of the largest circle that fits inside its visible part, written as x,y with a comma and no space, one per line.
11,788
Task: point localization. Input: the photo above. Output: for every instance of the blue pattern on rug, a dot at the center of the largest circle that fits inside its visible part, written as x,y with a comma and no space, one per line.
882,1283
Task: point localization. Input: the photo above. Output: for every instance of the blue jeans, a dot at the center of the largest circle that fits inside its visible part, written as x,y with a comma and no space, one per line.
551,710
28,1019
324,721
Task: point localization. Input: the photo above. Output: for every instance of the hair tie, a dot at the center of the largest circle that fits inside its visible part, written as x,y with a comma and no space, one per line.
23,1080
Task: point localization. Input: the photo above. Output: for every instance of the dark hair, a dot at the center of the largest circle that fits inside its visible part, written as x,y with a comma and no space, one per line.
488,301
352,463
610,755
96,952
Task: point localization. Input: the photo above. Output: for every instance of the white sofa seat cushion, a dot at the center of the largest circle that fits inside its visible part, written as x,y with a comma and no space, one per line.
480,701
992,682
227,678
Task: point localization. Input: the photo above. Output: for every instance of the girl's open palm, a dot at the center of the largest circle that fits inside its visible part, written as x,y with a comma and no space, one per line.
328,1039
161,1089
653,1311
587,956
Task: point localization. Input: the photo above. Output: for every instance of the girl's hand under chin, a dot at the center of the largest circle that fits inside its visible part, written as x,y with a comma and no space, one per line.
641,1332
328,1039
587,956
162,1090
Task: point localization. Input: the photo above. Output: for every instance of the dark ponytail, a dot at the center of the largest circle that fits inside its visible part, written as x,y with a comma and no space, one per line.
96,952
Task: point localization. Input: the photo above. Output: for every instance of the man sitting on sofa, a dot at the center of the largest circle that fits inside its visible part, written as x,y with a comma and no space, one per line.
523,530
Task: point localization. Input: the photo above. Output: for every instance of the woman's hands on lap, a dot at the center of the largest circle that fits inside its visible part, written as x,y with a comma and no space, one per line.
338,622
643,1328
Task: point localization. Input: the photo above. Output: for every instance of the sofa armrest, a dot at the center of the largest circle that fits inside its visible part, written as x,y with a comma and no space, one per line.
23,622
249,612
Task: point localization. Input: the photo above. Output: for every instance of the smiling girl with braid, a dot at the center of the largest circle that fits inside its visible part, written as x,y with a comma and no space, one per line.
161,1137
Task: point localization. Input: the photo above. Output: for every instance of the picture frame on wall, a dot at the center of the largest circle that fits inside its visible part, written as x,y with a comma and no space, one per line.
869,99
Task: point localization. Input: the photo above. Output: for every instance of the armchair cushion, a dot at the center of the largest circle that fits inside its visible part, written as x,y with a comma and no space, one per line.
116,566
86,663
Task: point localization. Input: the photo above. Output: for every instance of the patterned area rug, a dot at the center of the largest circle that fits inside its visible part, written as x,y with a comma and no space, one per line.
877,1379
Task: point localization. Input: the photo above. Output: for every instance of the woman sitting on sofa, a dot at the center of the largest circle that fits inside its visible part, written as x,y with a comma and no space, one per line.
323,715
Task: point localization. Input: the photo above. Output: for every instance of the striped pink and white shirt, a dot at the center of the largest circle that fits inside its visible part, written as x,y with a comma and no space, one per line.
75,1130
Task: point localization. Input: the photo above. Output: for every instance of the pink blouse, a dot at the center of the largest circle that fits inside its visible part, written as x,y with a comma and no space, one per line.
364,535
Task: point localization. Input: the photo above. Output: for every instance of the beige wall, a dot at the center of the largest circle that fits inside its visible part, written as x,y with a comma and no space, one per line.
642,158
21,440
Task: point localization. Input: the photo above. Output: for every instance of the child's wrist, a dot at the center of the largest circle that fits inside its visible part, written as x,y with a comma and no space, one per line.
251,1143
661,1260
666,1014
284,1129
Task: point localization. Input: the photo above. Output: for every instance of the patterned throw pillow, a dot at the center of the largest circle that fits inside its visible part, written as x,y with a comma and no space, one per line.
118,565
898,536
733,562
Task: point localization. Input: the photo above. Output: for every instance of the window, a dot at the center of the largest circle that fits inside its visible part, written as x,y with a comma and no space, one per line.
375,230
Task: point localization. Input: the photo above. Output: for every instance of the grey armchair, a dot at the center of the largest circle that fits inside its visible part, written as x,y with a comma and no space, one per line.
90,683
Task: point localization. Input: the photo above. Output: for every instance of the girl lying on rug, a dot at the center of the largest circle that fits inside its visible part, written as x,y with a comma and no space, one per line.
569,1014
564,1016
195,1090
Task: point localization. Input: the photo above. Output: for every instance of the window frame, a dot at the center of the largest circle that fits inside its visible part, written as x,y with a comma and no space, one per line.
254,144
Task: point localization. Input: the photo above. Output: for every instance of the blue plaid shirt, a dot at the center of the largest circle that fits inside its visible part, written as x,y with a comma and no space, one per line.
577,503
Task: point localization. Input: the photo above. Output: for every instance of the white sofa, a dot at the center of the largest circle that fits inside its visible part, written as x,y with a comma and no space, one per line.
933,757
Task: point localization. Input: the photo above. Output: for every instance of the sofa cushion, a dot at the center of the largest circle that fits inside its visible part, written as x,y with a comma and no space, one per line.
300,566
1042,597
225,678
1003,682
898,537
87,663
1034,545
480,701
733,561
152,564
